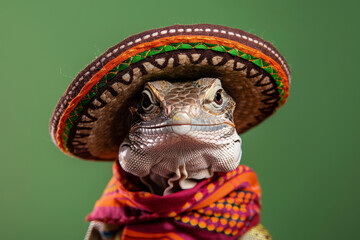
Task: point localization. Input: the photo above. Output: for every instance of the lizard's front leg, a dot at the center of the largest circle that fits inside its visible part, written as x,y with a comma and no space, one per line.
102,231
259,232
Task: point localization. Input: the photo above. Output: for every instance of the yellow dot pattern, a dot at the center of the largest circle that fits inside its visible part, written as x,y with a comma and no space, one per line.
230,216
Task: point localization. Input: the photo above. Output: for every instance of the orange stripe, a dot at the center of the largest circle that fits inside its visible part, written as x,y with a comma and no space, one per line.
157,43
129,234
115,201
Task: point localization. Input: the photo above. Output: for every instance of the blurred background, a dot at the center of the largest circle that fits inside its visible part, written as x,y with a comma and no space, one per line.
306,155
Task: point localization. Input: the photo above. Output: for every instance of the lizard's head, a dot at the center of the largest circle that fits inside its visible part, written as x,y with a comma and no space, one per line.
181,132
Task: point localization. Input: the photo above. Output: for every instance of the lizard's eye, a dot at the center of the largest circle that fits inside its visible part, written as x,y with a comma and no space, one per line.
218,99
147,102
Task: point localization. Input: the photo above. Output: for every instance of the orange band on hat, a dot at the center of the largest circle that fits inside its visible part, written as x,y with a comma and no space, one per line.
157,43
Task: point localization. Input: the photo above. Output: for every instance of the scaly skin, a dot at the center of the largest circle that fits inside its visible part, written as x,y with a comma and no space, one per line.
181,133
259,232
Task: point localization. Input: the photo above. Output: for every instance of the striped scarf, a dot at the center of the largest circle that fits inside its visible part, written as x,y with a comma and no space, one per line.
222,207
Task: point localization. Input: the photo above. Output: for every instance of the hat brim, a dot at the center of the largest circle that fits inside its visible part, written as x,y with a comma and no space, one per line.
91,118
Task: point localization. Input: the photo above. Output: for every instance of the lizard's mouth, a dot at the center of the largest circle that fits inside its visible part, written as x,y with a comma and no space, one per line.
181,123
181,129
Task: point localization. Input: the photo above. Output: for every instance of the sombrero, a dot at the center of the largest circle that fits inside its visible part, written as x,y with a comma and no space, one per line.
91,119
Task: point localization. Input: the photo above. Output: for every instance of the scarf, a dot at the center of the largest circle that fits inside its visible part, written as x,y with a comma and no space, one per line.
222,207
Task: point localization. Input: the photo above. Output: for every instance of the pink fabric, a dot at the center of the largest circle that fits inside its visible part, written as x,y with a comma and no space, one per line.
222,207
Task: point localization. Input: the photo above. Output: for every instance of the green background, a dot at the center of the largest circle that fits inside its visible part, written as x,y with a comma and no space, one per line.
306,155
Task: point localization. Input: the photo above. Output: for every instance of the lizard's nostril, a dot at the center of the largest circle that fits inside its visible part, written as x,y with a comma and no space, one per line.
182,123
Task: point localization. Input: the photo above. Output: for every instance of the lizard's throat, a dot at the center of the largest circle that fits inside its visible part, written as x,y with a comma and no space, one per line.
180,162
179,180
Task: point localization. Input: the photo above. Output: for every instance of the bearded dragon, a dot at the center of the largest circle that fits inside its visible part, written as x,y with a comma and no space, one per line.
181,133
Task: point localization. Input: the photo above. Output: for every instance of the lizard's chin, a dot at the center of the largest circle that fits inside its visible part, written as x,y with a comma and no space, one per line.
180,162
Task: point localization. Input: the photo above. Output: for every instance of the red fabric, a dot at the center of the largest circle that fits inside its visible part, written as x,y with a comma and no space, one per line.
222,207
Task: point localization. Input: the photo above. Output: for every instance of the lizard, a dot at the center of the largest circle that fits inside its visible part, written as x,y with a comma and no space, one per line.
180,133
174,161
